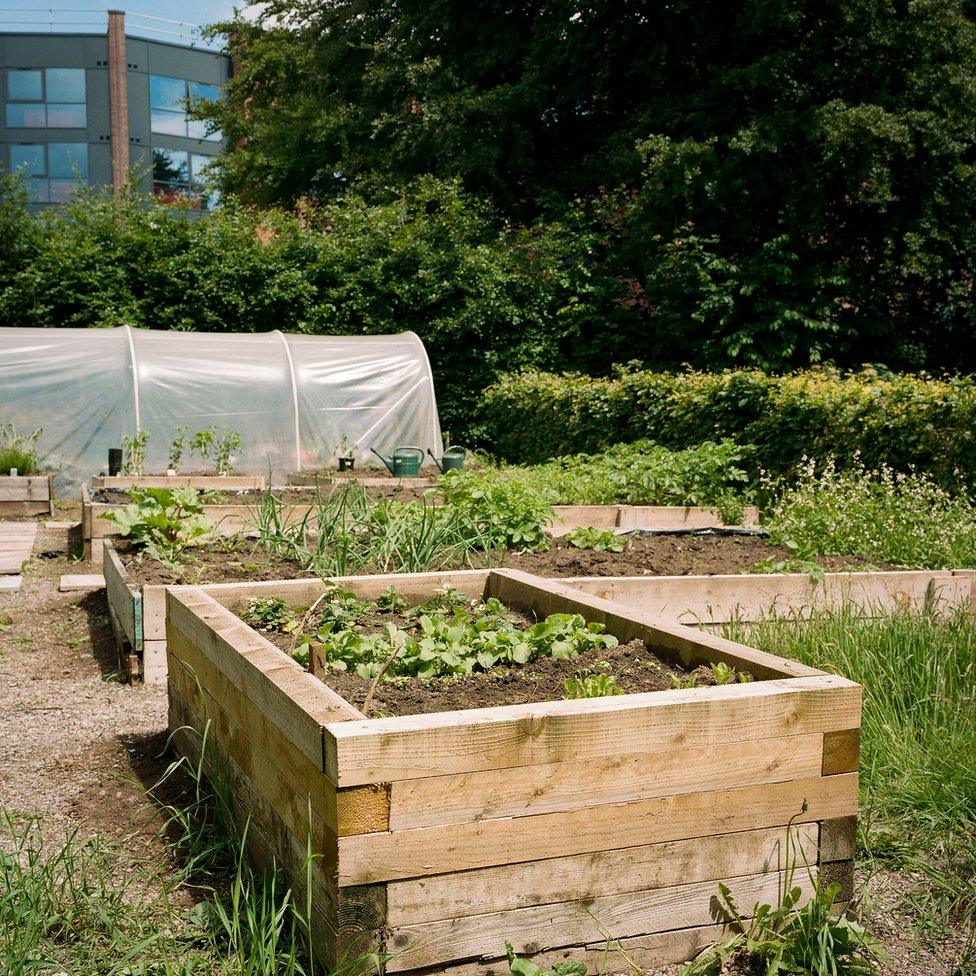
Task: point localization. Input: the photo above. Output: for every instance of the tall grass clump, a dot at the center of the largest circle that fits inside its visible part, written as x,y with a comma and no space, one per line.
918,732
18,450
903,519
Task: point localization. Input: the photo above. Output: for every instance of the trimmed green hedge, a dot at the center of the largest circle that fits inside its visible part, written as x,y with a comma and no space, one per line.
903,421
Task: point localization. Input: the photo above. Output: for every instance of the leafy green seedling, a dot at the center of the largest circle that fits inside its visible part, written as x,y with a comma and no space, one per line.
597,540
584,685
525,967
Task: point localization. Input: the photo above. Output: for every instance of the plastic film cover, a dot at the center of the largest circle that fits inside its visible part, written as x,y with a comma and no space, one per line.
292,398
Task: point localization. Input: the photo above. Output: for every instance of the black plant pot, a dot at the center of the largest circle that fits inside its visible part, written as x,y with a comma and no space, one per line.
347,463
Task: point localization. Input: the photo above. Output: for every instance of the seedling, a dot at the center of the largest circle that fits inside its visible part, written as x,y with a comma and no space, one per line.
525,967
597,540
176,448
270,613
584,685
134,451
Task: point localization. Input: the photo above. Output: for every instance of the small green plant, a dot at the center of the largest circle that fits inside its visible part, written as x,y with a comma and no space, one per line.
176,448
389,601
500,513
134,452
584,685
162,522
345,449
218,445
796,937
598,540
680,684
808,567
525,967
271,613
727,675
18,451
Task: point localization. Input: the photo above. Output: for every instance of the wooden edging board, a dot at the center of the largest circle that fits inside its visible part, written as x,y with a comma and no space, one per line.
204,482
623,518
140,610
26,494
436,837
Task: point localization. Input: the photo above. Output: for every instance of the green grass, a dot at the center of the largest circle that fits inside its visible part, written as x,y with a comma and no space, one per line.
918,735
18,450
80,905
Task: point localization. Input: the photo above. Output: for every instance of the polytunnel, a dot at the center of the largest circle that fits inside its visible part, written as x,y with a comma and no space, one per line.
292,398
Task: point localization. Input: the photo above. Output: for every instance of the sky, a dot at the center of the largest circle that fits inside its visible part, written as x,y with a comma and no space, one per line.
190,11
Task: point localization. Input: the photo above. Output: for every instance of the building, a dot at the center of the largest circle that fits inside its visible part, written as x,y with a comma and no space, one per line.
94,108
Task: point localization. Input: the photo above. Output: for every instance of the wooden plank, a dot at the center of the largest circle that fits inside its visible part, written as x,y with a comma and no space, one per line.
122,597
154,667
205,482
571,923
841,873
294,804
302,592
410,747
297,768
153,613
72,583
841,751
642,954
717,599
399,854
362,810
588,783
690,647
583,877
270,844
838,839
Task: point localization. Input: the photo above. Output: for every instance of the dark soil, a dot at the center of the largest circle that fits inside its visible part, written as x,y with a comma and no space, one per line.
633,666
666,555
212,565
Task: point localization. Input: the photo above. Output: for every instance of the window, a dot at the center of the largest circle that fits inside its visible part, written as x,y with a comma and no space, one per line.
169,99
52,172
181,176
52,98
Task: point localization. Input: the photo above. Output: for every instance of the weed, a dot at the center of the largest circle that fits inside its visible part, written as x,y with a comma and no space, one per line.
904,519
599,540
18,451
525,967
806,566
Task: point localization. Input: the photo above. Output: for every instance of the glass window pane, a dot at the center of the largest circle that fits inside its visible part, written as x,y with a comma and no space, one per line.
168,193
24,85
167,93
67,161
27,159
168,123
65,85
23,115
170,166
38,191
206,93
197,129
61,191
66,117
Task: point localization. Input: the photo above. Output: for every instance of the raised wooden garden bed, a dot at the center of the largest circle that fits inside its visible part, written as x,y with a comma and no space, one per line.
204,482
31,494
138,610
623,518
229,519
365,479
439,836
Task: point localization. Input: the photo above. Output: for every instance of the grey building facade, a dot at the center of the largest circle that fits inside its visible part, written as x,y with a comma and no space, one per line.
100,109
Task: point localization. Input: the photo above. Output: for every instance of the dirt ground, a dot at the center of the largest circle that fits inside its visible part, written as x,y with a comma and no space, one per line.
80,748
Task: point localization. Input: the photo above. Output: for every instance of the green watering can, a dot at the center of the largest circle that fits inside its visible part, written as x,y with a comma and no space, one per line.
452,460
404,462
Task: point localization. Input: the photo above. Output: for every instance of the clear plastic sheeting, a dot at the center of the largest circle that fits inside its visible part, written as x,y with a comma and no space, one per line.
292,398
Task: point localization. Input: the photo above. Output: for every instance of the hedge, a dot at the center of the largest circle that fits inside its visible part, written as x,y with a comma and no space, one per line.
903,421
